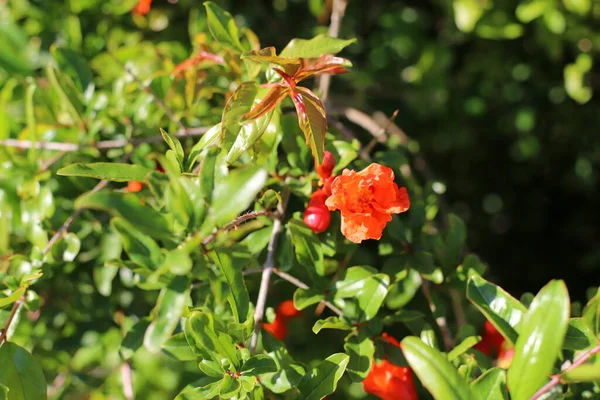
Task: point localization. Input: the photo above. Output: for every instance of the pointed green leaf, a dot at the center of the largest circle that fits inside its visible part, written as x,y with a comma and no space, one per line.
268,55
331,323
222,26
208,389
315,47
322,380
128,206
236,192
500,308
21,373
231,263
579,335
540,340
229,387
583,373
211,368
167,313
463,346
11,298
175,145
202,337
178,348
369,289
239,137
307,245
361,350
435,371
591,314
289,372
259,364
134,339
140,248
117,172
491,385
305,298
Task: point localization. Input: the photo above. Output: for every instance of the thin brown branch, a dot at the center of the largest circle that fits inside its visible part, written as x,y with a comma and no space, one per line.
127,381
298,283
337,14
268,268
235,223
440,320
102,145
556,379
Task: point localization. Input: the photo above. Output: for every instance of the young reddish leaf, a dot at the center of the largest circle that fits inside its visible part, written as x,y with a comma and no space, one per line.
270,101
326,64
191,62
269,55
312,120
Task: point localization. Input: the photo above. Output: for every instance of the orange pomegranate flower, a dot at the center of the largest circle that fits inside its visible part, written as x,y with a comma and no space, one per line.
142,7
388,381
285,311
278,328
366,200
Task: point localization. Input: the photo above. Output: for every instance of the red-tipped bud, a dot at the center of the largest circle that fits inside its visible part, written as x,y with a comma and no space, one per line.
317,217
326,168
318,197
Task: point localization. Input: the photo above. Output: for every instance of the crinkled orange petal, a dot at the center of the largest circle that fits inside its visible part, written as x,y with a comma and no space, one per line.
358,227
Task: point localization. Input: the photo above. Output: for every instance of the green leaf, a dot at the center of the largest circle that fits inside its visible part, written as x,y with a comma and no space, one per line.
222,26
315,47
579,335
167,313
491,385
268,55
202,337
322,380
229,387
591,314
368,288
75,66
307,297
207,174
540,340
140,248
361,350
210,138
238,137
211,368
424,263
289,372
208,389
504,311
117,172
175,145
307,246
11,298
259,364
583,373
134,339
70,245
403,290
435,371
13,51
128,206
231,263
21,373
178,348
462,347
178,262
331,323
312,121
243,185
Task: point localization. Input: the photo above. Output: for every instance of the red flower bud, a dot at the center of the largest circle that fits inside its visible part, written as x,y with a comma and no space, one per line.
287,310
134,186
327,185
277,328
142,7
326,168
317,217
